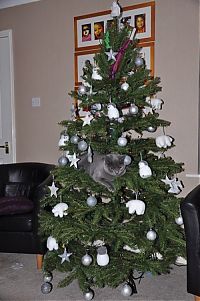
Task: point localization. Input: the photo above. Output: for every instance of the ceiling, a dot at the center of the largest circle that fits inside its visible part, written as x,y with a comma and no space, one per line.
10,3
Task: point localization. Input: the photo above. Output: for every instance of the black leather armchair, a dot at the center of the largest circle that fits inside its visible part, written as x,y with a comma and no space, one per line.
22,185
190,209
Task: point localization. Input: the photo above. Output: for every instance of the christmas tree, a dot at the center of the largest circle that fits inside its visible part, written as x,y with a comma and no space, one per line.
112,209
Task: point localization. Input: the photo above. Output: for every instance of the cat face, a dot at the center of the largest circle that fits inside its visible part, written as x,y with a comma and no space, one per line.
114,165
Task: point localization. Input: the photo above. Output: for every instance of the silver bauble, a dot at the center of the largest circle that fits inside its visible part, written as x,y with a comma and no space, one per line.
151,129
125,86
122,141
96,106
46,287
91,201
126,290
74,139
133,110
89,295
47,277
151,235
127,160
139,62
82,145
179,220
81,89
62,161
86,260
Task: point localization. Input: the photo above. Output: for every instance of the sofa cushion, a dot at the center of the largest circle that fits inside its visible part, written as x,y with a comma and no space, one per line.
17,223
15,205
17,189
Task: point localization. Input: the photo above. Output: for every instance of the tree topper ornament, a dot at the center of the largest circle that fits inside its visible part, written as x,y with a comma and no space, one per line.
115,10
60,209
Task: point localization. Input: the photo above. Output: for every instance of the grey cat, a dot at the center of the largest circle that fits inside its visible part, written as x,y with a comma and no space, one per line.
104,168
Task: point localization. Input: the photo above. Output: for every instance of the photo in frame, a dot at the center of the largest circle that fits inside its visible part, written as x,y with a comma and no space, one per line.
89,29
147,53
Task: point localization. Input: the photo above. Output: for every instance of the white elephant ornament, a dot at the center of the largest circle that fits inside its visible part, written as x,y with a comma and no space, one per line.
60,209
136,206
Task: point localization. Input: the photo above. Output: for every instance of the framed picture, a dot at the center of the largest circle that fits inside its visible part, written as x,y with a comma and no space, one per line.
90,28
147,52
79,63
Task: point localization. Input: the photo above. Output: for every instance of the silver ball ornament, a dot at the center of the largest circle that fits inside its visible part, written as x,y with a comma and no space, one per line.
82,145
89,295
126,290
46,287
151,235
47,277
139,62
125,86
81,89
62,161
179,220
86,260
127,160
122,141
133,110
151,129
74,139
91,201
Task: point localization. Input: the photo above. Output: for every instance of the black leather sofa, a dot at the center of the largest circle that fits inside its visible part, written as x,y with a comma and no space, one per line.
190,209
22,185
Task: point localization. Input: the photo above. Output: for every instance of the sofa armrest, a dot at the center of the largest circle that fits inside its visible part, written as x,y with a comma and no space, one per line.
190,209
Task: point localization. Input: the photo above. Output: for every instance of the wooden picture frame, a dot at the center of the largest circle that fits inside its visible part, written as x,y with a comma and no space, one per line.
89,28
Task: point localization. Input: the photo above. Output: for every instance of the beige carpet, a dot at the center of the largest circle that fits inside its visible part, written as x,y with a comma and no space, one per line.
21,281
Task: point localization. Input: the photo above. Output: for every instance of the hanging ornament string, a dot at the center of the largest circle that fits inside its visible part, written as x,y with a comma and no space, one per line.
120,54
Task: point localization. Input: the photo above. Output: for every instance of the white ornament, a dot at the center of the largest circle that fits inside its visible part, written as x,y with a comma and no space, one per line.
63,139
102,256
144,170
122,141
52,244
179,220
53,189
136,206
74,160
95,74
147,110
113,112
98,243
125,86
60,209
111,55
164,141
90,155
175,185
157,255
151,235
115,10
181,260
156,103
87,119
136,250
65,256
